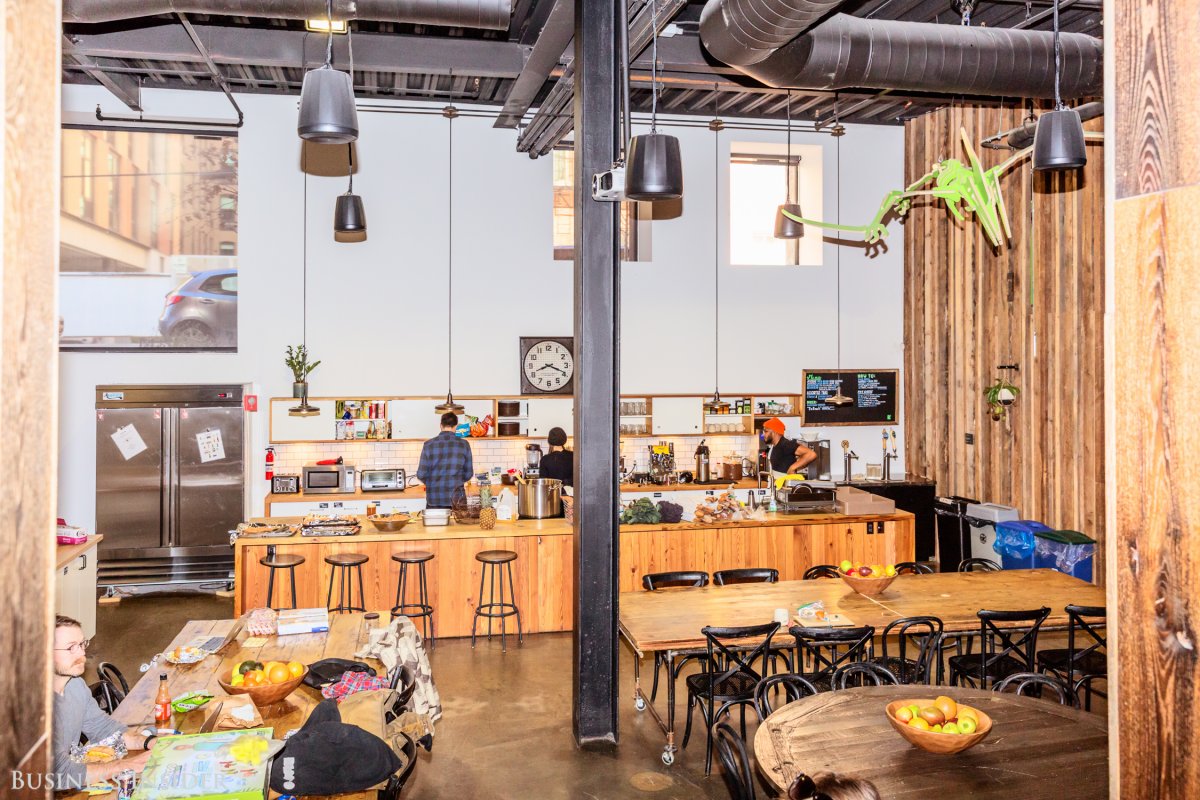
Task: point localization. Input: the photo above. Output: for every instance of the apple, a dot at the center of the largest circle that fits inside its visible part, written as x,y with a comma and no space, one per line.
877,569
905,714
916,710
933,715
864,572
950,727
846,565
890,570
919,724
967,725
936,729
947,706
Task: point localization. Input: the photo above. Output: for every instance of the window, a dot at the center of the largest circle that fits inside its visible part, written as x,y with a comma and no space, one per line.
148,243
760,178
635,226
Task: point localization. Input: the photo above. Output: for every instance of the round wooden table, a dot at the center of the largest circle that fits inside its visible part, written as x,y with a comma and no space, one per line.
1037,748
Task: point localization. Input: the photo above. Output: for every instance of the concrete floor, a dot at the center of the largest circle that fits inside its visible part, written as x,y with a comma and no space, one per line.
506,725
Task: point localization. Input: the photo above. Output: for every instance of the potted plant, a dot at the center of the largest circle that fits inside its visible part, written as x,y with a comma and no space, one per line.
1000,395
297,362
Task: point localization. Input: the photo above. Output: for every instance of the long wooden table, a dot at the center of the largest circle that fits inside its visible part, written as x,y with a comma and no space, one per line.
1037,750
669,621
347,633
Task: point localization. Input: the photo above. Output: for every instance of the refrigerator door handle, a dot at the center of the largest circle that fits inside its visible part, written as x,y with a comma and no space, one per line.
170,475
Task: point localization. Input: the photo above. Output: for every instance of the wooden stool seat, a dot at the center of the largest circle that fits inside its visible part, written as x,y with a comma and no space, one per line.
416,557
273,562
496,556
282,561
346,559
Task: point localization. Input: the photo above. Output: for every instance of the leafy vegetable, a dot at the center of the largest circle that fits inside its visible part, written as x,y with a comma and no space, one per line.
641,512
670,512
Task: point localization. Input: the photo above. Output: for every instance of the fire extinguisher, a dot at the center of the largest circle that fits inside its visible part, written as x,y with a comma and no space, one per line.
270,463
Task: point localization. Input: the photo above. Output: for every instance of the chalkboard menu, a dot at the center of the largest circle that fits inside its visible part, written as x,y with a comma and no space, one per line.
873,392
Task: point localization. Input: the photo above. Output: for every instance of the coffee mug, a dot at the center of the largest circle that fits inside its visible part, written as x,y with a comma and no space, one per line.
781,616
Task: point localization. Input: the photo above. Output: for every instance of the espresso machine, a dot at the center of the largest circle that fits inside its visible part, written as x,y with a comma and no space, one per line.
533,460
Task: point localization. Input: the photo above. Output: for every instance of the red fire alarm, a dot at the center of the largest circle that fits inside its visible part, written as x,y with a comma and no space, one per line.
250,402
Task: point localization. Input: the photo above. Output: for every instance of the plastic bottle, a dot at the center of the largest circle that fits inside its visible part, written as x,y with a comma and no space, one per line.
162,703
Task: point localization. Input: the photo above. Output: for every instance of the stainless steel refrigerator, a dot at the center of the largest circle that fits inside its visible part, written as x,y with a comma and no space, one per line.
170,482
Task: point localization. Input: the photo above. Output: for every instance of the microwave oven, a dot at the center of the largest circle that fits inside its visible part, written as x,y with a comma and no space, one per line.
329,479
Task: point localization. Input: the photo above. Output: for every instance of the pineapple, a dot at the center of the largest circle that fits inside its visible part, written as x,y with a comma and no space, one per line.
487,512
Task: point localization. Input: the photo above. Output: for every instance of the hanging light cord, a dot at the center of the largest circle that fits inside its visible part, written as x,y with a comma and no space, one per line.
304,277
787,169
653,65
716,241
1058,103
350,150
838,150
329,41
450,255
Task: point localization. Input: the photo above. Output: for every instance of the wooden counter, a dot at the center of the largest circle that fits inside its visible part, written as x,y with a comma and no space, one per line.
66,553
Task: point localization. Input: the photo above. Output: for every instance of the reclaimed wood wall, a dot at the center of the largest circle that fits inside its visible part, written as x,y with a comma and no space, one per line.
1037,302
30,67
1154,321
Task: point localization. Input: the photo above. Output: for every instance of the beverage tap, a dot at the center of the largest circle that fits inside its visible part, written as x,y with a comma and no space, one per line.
888,457
848,455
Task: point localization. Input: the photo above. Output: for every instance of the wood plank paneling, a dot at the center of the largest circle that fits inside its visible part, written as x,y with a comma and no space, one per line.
1038,303
29,160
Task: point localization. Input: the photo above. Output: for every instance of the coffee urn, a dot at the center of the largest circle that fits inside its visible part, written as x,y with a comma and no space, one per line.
702,466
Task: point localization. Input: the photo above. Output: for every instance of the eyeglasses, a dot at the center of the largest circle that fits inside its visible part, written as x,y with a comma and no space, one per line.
78,647
804,788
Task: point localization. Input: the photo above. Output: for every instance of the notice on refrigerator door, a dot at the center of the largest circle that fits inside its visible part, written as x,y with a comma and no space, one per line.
211,446
128,441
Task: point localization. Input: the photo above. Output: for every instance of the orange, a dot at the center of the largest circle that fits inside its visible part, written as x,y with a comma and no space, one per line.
947,706
295,669
253,678
279,674
270,665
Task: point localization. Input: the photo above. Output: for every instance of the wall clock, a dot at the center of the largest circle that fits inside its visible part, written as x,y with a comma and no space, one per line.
547,364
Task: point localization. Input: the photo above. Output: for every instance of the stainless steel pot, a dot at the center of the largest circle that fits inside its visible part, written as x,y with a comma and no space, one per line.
539,498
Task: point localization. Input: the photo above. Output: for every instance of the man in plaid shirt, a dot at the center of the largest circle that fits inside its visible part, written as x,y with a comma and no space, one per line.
446,464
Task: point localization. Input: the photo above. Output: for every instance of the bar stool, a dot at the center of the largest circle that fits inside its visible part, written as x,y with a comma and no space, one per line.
494,564
421,610
274,562
342,563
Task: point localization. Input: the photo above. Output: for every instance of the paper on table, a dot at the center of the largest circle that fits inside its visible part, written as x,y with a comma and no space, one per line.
212,448
128,441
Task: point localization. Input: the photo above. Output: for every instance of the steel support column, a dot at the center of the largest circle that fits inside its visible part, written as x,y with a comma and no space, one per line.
596,378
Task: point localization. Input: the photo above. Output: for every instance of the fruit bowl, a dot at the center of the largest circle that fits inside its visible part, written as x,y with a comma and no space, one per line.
942,744
389,523
868,587
265,694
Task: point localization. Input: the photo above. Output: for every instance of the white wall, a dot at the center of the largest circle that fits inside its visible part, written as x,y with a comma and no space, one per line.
377,312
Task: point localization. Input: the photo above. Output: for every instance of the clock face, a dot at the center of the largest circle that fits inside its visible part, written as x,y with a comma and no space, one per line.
548,366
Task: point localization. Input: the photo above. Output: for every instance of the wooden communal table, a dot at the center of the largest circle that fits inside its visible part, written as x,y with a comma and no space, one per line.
1037,750
669,621
347,633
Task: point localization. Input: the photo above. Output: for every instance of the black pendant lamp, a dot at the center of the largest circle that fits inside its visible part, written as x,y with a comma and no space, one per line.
327,112
837,399
450,112
348,213
1058,141
304,409
785,226
654,170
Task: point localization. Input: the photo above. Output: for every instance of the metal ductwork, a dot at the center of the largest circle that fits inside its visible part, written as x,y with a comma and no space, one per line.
847,52
487,14
743,32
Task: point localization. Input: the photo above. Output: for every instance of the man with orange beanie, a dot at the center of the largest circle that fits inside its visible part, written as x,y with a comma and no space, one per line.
787,455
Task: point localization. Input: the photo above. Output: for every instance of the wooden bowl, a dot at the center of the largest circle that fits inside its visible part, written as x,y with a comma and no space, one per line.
389,523
868,587
942,744
266,694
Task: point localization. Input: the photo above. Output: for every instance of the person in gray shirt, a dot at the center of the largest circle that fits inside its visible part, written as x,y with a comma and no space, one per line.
76,713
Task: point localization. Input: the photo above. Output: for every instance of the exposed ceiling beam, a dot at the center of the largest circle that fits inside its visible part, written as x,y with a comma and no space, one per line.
548,49
126,88
285,48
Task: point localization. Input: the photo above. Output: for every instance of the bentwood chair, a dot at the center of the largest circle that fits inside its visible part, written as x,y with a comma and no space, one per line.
726,577
978,565
1086,655
735,763
821,651
862,674
821,571
1022,681
793,687
672,580
1002,651
913,568
909,647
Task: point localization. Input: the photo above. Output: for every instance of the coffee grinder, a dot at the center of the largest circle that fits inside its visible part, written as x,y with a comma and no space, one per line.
533,460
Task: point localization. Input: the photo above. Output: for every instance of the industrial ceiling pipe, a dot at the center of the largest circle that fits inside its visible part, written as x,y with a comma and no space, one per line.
744,32
486,14
847,52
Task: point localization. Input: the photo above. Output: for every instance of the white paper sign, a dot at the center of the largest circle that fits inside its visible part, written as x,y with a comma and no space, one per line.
211,446
128,441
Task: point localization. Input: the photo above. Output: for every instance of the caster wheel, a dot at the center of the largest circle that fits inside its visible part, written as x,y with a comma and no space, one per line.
640,704
668,757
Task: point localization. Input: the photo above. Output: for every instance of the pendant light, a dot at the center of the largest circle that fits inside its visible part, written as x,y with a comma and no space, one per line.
654,169
1058,141
304,409
786,227
348,213
327,112
716,405
450,112
838,130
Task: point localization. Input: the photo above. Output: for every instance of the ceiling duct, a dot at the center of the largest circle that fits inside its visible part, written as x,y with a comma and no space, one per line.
743,32
487,14
847,52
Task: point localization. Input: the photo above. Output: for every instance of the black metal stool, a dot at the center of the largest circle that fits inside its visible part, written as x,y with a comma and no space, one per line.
273,562
493,609
342,563
421,610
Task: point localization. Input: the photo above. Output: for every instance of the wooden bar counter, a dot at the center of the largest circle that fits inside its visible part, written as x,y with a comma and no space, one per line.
543,570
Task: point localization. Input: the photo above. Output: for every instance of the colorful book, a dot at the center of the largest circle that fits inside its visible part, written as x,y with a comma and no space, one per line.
202,766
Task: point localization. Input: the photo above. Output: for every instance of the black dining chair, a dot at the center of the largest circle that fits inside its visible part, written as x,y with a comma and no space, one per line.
791,686
735,763
728,679
106,695
1032,683
821,651
913,568
726,577
395,784
1086,655
654,581
1002,651
978,565
862,673
909,647
821,571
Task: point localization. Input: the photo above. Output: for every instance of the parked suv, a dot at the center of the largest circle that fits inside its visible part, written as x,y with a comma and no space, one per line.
202,312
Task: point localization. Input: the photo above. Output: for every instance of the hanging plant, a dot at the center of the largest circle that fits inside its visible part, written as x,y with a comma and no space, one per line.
1000,395
297,362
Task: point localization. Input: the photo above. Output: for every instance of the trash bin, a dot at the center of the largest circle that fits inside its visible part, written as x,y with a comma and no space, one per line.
1066,551
952,531
982,517
1016,541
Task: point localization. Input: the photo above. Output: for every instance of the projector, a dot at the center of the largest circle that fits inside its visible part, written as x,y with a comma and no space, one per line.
609,187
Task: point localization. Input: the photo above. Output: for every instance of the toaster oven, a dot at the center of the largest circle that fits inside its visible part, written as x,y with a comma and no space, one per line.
329,479
382,480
